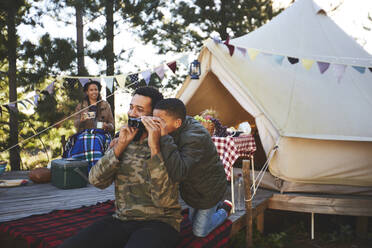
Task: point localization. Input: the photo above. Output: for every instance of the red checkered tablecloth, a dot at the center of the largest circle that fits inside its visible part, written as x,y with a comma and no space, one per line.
231,148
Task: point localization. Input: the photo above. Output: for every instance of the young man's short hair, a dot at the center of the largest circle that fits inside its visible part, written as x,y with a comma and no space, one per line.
151,92
173,106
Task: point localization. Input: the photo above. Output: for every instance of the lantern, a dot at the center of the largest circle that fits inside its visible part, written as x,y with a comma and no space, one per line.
195,69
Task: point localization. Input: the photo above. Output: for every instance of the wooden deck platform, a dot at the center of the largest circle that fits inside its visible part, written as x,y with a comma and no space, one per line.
23,201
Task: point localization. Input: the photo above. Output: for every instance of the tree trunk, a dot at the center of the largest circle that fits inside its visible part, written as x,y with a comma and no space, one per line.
109,49
13,114
80,38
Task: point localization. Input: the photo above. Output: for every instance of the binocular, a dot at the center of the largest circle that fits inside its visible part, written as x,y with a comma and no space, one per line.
136,122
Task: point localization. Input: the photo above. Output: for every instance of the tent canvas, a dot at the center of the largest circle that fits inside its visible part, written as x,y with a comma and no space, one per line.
320,121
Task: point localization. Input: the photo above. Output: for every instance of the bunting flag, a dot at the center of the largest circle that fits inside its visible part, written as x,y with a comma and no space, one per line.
185,60
293,60
307,63
70,82
109,83
160,71
173,66
252,53
50,88
242,50
121,80
36,99
146,76
323,66
216,40
230,47
339,70
359,69
370,69
83,81
278,59
11,107
29,101
134,77
23,104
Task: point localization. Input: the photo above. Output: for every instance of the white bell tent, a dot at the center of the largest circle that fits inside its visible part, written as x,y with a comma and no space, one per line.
306,85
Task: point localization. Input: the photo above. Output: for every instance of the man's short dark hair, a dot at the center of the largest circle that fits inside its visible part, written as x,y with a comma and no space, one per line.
151,92
173,106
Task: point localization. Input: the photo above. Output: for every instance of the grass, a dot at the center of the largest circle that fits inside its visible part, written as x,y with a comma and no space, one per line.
292,230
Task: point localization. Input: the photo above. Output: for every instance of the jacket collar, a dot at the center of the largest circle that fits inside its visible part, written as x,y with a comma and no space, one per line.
177,132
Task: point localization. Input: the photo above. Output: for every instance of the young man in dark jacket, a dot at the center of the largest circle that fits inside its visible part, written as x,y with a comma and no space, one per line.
191,158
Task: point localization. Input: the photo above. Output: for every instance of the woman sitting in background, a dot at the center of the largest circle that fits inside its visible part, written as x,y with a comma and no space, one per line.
96,113
93,124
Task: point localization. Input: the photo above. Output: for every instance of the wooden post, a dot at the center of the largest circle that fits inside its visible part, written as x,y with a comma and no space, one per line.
362,226
248,204
260,222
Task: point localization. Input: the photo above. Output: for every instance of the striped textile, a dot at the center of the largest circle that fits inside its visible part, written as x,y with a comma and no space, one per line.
50,230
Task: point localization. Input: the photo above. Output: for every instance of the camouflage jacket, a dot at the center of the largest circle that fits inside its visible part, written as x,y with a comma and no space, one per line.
143,190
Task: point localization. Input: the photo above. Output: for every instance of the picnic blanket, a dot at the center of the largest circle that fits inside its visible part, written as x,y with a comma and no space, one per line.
89,145
49,230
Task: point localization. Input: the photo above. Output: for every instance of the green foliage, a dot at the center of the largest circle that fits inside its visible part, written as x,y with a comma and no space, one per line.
183,25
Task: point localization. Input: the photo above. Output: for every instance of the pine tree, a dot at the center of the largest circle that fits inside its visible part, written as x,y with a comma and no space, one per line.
183,25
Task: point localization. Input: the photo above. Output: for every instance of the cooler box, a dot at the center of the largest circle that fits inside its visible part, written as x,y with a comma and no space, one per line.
69,173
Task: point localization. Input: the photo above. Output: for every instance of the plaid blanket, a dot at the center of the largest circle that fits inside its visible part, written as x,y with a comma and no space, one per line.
49,230
89,145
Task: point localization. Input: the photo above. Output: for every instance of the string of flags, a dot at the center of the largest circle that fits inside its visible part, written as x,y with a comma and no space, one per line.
109,81
338,69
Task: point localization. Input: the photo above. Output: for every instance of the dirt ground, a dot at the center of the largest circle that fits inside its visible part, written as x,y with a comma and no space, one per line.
292,230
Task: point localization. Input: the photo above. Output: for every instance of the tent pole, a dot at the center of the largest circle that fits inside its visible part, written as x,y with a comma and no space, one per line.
312,225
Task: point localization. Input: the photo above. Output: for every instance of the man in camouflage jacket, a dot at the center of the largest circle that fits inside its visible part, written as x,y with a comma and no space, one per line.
147,209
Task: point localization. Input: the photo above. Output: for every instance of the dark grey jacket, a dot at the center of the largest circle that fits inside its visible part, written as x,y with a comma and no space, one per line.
191,158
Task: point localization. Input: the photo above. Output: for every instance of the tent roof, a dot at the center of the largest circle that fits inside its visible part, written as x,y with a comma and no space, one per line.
298,102
301,32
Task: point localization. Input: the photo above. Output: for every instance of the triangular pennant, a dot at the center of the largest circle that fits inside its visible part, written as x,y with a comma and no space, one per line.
109,83
278,59
293,60
83,81
121,80
29,101
216,40
230,47
11,107
370,69
23,104
307,63
359,68
133,77
172,66
160,71
242,50
323,66
70,81
252,53
146,76
185,60
36,99
50,88
339,70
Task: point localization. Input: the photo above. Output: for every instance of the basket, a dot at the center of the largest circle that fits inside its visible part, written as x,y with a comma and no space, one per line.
209,126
